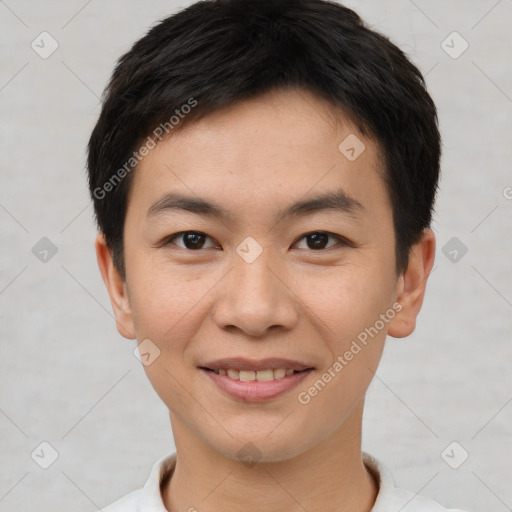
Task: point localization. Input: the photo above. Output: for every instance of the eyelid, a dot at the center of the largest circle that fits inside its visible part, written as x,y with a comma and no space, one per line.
167,240
342,241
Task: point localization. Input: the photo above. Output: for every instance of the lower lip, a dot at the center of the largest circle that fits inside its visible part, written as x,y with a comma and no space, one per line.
257,391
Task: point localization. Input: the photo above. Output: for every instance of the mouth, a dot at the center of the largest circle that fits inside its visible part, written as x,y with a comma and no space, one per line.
255,381
255,375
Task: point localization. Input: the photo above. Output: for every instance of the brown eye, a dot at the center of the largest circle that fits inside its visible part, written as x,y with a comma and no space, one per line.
192,240
318,240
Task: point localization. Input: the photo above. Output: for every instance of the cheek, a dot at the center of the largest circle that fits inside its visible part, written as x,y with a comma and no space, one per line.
346,310
347,307
165,298
344,301
165,307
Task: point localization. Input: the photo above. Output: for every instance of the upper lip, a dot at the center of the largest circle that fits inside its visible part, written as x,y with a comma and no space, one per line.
241,363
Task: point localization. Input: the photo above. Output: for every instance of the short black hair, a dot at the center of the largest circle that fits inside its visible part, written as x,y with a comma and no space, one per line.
213,54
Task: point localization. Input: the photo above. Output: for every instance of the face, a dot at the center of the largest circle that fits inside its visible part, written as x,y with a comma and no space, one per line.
253,287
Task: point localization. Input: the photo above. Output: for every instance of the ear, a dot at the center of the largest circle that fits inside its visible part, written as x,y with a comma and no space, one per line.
116,287
411,285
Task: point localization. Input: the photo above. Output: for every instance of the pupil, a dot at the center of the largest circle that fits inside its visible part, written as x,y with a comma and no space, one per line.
319,240
193,240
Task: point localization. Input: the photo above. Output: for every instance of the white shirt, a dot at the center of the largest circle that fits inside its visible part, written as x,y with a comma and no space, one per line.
389,498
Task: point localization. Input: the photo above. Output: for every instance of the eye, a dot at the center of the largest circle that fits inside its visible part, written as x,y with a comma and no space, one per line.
192,240
195,240
318,240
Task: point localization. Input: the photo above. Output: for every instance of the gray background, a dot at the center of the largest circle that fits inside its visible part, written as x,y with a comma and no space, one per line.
67,376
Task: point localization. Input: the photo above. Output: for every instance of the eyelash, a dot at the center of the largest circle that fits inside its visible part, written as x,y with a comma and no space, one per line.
343,242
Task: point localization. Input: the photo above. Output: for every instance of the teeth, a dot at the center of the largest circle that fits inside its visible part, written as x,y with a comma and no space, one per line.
234,374
260,375
264,375
247,375
279,374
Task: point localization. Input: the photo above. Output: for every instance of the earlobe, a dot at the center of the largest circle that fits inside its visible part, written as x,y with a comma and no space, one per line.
116,287
411,285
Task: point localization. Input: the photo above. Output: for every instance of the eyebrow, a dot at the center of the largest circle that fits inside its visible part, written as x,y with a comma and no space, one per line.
337,200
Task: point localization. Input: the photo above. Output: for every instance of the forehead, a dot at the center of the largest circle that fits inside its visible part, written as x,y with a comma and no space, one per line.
271,149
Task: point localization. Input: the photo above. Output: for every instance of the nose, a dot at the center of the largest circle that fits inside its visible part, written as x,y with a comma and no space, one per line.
255,298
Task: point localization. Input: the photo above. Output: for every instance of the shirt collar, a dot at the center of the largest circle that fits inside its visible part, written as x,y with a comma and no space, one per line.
151,496
385,483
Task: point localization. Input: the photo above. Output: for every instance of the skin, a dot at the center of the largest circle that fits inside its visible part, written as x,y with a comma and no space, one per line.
293,301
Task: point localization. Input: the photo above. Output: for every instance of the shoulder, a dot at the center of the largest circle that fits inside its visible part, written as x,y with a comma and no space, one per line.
405,501
391,498
147,498
128,503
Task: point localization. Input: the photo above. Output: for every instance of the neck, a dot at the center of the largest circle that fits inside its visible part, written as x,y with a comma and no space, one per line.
329,477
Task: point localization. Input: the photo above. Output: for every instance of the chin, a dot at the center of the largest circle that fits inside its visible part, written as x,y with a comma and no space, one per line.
252,446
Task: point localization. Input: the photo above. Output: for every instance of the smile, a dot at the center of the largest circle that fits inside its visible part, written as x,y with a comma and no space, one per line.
260,375
255,385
